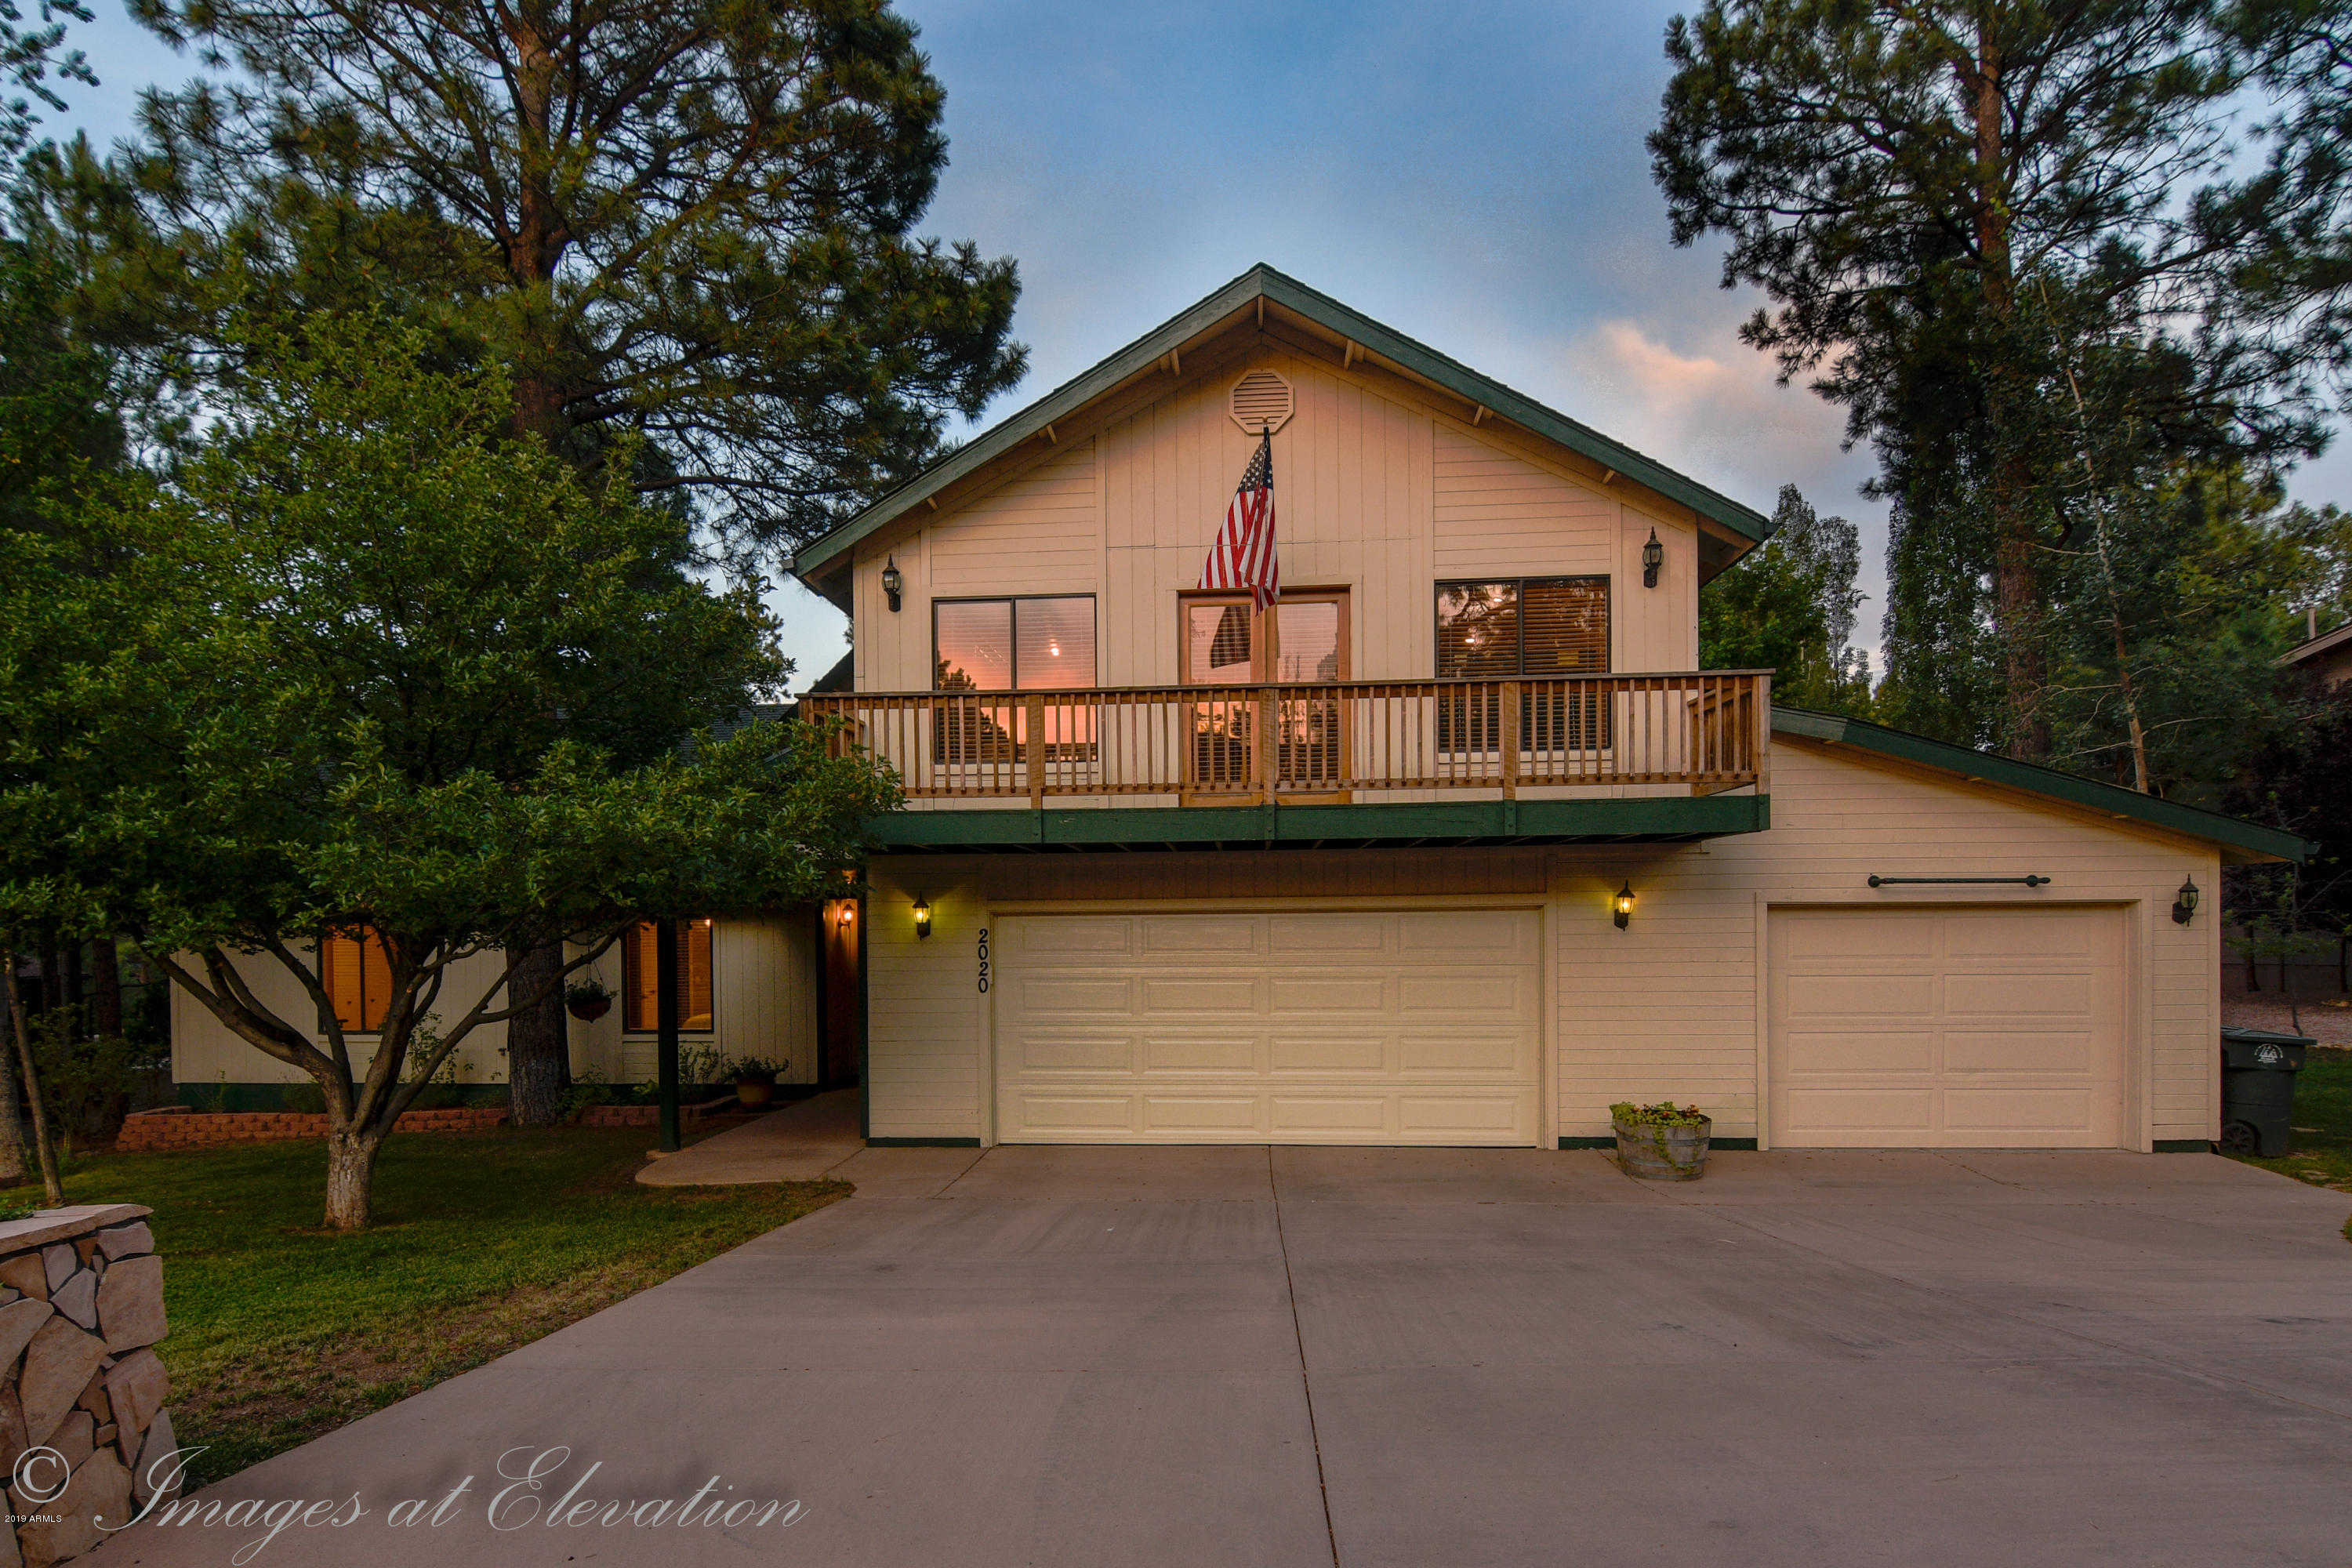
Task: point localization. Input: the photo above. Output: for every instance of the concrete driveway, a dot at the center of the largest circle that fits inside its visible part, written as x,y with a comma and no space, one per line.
1386,1357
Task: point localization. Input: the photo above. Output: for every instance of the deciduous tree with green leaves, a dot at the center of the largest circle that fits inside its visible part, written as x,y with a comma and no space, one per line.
379,663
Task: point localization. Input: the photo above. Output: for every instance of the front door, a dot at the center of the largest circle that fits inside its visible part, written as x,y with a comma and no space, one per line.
840,939
1303,641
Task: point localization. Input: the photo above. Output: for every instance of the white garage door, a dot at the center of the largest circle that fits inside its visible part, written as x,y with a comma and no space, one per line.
1946,1028
1397,1027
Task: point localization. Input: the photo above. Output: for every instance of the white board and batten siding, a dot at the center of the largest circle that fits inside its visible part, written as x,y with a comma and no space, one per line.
763,1003
1377,490
1678,1006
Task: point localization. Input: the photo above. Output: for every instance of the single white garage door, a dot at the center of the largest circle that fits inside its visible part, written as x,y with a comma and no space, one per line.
1955,1028
1394,1026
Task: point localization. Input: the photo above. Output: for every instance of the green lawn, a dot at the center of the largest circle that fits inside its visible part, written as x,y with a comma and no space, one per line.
281,1330
2323,1119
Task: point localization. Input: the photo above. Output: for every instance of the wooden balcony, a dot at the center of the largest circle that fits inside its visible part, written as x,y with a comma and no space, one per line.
1352,743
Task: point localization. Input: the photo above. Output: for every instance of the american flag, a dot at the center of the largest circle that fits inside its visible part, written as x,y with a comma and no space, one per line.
1243,556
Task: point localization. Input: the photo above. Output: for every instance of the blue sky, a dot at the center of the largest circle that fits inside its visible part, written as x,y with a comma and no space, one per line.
1471,175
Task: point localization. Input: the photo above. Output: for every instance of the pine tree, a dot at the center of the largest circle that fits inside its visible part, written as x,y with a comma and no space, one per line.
1920,189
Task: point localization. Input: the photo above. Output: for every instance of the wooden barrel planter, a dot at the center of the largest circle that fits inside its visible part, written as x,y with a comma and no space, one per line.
1662,1150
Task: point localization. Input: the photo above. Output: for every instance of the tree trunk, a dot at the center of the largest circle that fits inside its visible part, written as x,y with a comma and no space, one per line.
539,1045
105,988
52,1192
351,1177
12,1125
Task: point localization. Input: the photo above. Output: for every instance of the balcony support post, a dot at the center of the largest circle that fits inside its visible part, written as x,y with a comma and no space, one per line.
1034,720
1510,740
1268,727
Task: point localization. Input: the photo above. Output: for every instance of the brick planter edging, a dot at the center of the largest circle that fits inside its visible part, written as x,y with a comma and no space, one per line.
176,1127
650,1115
81,1305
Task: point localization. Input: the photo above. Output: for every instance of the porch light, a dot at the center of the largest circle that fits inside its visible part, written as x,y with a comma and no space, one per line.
2184,902
849,910
923,917
1624,905
1654,555
894,582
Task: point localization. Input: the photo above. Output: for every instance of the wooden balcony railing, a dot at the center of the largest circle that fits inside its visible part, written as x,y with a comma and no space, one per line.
1231,744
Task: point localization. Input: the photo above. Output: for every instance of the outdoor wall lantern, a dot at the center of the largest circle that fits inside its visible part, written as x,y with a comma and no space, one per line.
894,582
1624,905
1654,555
923,917
2184,902
849,910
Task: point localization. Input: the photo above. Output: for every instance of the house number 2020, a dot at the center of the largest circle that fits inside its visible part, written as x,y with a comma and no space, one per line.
983,958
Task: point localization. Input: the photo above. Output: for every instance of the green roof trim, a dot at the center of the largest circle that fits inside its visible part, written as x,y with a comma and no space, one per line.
2113,799
1641,819
1264,283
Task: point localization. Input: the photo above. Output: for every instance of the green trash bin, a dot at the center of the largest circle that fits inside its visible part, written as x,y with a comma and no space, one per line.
2258,1071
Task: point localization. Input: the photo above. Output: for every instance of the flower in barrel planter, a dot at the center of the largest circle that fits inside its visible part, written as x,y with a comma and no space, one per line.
587,1000
1661,1142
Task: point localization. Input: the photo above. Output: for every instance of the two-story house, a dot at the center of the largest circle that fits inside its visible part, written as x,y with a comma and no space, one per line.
1455,844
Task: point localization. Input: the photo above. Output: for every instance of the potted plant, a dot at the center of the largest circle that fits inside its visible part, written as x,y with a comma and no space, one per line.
755,1081
587,1000
1661,1142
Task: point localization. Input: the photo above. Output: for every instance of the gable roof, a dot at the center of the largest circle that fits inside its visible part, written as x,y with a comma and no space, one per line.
1375,341
2253,840
2311,649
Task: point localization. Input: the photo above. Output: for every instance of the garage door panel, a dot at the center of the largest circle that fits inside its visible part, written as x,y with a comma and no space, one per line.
1488,934
1325,994
1313,1055
1323,1114
1201,1113
2050,1114
1361,934
1833,936
2059,1054
1493,1116
1191,934
1201,994
1078,935
1892,996
1302,1026
1947,1027
1194,1052
2072,996
1055,1050
1462,1053
1102,1113
1879,1053
1845,1112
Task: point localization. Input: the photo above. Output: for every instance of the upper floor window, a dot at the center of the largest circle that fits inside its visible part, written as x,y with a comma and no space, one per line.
1014,645
1523,626
357,975
640,958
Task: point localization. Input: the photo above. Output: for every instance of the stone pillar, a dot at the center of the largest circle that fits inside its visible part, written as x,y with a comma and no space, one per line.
84,1436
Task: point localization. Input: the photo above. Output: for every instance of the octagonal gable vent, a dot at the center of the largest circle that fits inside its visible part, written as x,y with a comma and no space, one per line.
1260,401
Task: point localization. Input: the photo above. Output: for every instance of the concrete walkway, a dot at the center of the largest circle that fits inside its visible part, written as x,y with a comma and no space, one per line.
1413,1358
798,1142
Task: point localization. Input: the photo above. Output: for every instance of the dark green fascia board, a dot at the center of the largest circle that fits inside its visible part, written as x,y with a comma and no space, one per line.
1736,1145
2268,843
1660,819
1263,282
